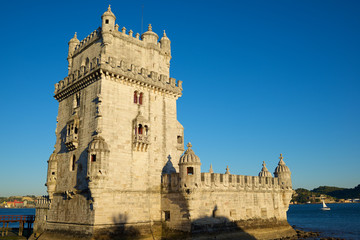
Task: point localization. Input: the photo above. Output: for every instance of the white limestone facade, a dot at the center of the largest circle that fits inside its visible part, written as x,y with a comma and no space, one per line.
116,130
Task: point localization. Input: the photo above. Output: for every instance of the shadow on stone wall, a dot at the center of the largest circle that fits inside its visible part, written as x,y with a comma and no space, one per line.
120,230
81,171
63,148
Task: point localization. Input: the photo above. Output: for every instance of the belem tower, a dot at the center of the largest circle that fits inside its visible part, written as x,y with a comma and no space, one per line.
119,164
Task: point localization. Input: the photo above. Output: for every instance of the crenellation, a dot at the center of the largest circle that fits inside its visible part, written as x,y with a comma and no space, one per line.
88,40
224,181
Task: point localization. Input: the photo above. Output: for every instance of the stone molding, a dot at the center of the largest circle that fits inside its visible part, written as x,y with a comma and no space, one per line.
75,82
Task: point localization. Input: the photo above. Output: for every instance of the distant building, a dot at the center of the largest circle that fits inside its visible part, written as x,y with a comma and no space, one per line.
119,162
15,204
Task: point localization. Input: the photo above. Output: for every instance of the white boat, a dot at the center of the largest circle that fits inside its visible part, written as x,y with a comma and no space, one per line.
325,208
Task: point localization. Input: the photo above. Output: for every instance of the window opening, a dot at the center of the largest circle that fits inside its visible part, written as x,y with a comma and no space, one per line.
190,171
140,129
141,98
107,21
179,139
146,130
135,97
73,163
167,216
93,158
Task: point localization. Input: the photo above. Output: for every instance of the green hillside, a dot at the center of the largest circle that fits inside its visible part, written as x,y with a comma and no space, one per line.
303,195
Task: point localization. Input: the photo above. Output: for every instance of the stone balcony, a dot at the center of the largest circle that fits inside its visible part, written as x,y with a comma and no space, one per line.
141,142
72,141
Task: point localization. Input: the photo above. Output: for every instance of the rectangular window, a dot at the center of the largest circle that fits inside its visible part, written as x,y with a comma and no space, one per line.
73,160
93,158
167,216
190,171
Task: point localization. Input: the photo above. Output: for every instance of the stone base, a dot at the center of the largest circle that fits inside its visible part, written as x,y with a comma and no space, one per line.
251,229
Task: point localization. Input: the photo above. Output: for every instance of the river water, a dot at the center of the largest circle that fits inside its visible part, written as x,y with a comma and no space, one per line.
16,211
342,221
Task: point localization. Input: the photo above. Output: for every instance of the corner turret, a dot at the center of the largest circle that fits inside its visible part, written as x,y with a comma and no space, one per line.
98,165
72,45
189,169
165,44
150,36
264,171
107,27
283,173
51,175
108,20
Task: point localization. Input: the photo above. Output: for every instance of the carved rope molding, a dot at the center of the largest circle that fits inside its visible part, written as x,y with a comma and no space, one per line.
161,83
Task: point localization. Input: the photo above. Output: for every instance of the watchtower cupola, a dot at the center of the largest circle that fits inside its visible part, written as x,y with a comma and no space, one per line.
165,44
150,36
264,171
283,173
189,169
72,45
108,20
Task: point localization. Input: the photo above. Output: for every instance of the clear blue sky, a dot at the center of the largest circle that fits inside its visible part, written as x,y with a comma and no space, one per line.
260,78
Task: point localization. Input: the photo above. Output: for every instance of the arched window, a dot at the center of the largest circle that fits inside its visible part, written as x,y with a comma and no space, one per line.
140,129
146,130
141,98
135,97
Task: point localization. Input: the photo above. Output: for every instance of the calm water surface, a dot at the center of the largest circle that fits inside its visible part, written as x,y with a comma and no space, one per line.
342,221
16,211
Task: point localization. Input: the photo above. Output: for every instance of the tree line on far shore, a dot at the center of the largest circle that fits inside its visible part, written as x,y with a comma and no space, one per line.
335,194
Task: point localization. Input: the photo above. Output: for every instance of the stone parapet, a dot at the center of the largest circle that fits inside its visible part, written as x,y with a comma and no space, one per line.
92,37
171,182
118,69
42,202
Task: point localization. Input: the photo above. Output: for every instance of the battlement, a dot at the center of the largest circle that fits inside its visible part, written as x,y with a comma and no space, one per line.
42,202
170,182
119,70
92,37
123,35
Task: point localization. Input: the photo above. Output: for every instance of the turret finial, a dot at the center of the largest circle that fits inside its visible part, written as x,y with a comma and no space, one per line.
75,35
164,35
281,157
211,169
227,170
109,8
264,164
169,157
150,28
189,145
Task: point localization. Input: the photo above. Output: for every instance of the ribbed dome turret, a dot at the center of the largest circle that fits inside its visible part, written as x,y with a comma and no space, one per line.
98,144
189,156
52,157
164,38
149,36
264,171
74,39
108,13
281,167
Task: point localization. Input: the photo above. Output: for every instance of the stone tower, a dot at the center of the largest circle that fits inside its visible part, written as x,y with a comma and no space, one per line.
111,171
117,123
